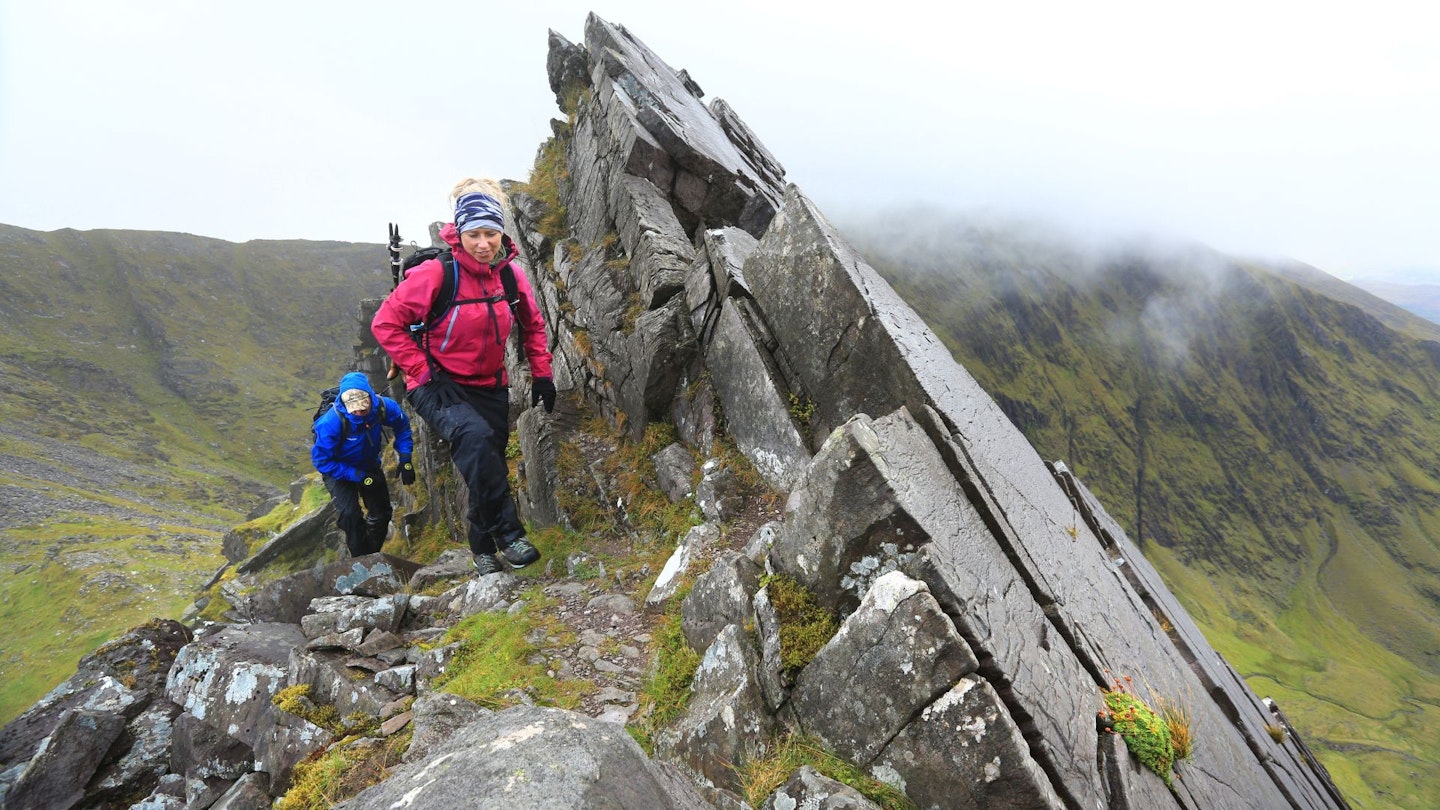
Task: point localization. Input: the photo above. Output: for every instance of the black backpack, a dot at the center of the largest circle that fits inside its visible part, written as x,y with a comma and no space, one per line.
327,401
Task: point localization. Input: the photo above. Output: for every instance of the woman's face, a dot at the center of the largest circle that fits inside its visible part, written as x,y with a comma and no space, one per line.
483,244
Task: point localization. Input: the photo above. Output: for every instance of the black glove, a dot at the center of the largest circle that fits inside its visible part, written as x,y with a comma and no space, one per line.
407,472
445,390
543,389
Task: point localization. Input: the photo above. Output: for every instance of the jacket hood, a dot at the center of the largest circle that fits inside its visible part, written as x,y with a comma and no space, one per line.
356,379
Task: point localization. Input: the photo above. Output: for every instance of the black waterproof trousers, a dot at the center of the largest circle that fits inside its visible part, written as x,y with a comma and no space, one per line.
477,430
364,530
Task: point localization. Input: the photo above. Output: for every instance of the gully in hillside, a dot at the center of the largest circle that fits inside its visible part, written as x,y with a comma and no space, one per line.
448,337
348,440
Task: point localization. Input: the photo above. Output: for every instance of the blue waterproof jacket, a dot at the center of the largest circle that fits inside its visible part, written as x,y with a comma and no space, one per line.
349,453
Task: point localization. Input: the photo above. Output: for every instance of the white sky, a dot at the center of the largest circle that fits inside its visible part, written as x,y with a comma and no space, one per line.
1308,130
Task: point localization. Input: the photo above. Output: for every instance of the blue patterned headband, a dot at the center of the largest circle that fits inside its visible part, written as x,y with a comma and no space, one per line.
477,210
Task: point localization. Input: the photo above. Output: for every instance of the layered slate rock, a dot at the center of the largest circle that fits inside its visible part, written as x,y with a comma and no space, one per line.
893,656
533,757
867,352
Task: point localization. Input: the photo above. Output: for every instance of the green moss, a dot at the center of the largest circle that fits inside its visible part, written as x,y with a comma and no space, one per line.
805,625
1146,733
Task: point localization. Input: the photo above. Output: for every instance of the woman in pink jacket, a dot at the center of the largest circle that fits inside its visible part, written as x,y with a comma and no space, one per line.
454,365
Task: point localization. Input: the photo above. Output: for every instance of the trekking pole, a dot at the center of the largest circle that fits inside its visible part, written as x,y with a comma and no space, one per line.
394,255
392,370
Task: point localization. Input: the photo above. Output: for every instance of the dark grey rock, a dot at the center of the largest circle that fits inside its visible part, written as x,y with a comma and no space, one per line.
282,741
56,776
226,678
250,792
757,411
437,716
199,750
892,657
539,451
721,596
675,468
288,598
451,565
141,656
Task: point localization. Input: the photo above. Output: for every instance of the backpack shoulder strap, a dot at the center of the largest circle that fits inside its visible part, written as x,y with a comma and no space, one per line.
449,282
507,280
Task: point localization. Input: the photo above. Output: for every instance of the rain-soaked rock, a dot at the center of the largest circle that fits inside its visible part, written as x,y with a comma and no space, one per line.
56,776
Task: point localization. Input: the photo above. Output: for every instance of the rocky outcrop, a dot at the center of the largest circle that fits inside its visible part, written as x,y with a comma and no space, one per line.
983,598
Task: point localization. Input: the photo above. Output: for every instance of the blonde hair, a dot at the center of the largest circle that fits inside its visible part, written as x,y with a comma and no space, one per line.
484,185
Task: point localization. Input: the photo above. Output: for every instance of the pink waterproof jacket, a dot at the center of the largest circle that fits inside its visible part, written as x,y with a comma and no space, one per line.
469,340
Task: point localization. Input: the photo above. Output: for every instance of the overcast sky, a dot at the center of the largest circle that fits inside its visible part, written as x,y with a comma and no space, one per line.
1303,130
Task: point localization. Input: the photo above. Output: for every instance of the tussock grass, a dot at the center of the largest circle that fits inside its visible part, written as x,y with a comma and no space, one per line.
760,777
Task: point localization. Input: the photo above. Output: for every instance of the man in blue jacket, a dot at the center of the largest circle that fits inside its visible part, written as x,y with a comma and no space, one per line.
348,441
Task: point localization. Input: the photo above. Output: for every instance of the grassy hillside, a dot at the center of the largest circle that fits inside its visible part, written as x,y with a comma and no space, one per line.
1275,452
156,384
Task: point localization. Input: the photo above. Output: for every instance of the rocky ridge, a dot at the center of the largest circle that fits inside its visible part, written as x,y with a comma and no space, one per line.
985,597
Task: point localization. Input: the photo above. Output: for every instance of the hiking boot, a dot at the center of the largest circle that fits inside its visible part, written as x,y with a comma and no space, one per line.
486,564
520,553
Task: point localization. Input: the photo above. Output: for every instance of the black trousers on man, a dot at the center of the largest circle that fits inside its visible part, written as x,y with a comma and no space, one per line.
477,430
364,530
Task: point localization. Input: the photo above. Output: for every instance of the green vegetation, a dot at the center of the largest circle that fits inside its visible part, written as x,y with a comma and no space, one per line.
159,385
1270,450
666,691
760,777
493,666
805,626
1146,733
342,771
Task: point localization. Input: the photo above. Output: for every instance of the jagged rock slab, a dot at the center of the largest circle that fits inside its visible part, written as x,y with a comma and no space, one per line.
892,657
55,778
708,161
726,721
868,352
963,750
757,412
532,757
1305,786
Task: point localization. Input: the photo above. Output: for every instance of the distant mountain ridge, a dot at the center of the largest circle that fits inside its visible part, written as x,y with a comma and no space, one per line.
156,383
1420,299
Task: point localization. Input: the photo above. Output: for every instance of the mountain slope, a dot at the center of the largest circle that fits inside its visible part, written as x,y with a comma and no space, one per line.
1271,448
156,383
